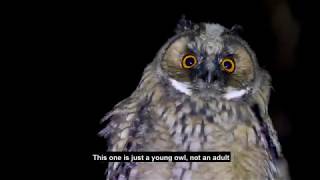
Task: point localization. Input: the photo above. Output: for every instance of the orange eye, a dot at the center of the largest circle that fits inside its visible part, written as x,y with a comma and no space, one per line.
189,61
228,65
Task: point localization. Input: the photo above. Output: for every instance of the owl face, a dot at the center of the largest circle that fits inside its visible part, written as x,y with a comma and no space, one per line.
209,60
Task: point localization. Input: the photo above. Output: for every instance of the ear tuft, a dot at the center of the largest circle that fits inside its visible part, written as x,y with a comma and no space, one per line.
236,29
184,25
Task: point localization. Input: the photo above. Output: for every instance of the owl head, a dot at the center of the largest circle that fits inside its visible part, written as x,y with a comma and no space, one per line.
209,60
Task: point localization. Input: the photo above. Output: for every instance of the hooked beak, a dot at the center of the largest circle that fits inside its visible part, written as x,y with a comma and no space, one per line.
208,75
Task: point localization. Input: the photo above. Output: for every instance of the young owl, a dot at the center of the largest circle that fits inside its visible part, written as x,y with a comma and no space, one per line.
204,91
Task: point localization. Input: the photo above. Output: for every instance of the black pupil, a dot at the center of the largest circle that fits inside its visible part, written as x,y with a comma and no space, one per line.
189,61
227,65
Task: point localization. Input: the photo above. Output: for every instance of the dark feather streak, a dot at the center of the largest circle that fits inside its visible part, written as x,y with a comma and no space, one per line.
265,131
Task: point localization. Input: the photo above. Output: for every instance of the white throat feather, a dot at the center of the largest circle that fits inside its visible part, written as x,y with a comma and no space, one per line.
181,87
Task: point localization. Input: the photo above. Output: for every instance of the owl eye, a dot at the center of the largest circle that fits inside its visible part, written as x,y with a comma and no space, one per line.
228,65
189,61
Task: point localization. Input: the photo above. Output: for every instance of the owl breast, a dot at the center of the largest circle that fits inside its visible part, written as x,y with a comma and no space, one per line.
192,124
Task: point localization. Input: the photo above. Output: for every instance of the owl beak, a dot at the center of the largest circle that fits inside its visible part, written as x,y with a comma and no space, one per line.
208,72
209,76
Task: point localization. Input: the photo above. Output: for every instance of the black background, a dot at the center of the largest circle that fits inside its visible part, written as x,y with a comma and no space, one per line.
88,57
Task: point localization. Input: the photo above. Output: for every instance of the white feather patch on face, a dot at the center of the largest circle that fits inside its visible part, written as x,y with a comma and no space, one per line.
181,87
233,94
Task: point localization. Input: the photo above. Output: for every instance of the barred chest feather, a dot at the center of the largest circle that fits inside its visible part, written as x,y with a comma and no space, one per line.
195,124
183,123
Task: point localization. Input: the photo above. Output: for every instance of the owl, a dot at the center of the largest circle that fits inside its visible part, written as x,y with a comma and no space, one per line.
204,91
